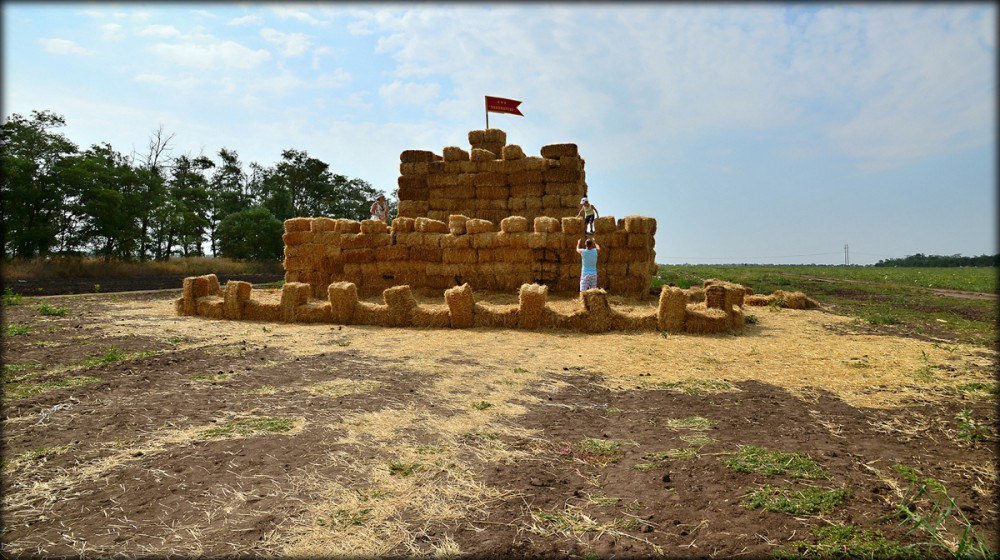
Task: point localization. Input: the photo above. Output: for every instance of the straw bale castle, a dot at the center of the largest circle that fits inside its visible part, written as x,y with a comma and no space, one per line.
491,217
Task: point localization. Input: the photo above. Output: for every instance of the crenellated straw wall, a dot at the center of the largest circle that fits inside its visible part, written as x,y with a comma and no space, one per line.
721,310
491,181
430,253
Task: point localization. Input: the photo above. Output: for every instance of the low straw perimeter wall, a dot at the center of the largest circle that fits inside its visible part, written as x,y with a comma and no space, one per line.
721,310
491,181
430,253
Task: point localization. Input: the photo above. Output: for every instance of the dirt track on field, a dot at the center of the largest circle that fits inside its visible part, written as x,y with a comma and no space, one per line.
403,441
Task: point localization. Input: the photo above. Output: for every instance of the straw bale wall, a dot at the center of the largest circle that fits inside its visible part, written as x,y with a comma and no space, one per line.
491,181
422,252
340,304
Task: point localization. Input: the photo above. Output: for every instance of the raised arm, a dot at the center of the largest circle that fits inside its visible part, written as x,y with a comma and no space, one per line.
578,241
596,213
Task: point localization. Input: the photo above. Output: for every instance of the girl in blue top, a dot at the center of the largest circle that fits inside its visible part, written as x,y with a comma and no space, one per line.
588,257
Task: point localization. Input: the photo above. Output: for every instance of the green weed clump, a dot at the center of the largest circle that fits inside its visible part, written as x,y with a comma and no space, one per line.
690,423
50,311
784,499
248,427
847,541
401,469
18,330
10,298
482,405
601,447
971,430
753,459
927,506
22,390
696,386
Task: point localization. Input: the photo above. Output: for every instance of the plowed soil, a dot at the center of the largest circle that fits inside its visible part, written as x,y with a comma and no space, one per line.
130,431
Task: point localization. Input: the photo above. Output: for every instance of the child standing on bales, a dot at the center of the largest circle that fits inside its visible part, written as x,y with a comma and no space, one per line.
588,257
380,210
589,212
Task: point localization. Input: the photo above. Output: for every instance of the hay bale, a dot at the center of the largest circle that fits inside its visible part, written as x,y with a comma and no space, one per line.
478,154
637,224
531,302
262,311
236,295
416,156
476,137
715,297
485,240
572,226
460,193
460,306
431,316
297,237
454,153
292,296
639,321
495,316
526,178
298,224
512,152
412,208
453,241
605,224
569,192
703,320
494,136
371,314
414,182
546,224
695,294
343,297
555,151
434,182
492,193
671,312
427,225
402,225
793,300
400,305
456,224
514,224
323,224
439,215
597,311
345,225
426,253
211,307
422,168
459,256
574,163
373,227
558,175
476,225
515,241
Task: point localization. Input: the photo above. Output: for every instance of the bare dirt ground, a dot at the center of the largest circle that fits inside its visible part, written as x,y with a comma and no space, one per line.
112,284
128,430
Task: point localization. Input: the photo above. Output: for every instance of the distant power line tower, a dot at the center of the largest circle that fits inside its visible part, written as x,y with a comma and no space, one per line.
847,257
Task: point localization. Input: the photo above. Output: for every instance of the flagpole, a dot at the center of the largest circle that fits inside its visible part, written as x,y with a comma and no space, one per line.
486,105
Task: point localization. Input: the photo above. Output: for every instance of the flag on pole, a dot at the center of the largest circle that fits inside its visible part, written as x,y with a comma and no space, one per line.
501,105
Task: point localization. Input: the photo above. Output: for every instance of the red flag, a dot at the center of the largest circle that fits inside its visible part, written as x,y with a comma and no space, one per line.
501,105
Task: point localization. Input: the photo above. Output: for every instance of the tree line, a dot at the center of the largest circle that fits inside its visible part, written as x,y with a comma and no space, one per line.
941,260
59,199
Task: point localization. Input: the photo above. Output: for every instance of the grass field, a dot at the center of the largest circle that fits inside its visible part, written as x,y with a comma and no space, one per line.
886,299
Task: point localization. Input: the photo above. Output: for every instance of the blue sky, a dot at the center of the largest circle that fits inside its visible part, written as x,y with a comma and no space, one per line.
752,133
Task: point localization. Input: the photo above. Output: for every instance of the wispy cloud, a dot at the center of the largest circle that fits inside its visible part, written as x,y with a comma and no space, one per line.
221,54
63,46
248,19
409,93
159,31
296,14
291,44
112,32
336,79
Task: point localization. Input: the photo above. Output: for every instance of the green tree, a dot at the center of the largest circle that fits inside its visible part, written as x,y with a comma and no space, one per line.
31,200
229,192
253,233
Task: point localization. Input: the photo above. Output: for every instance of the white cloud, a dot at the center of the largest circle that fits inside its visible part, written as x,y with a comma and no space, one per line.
291,44
224,54
882,85
93,13
297,15
112,32
409,93
245,20
204,14
336,79
63,46
159,31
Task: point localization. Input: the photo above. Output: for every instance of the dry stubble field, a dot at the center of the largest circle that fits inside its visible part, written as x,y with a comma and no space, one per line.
129,430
